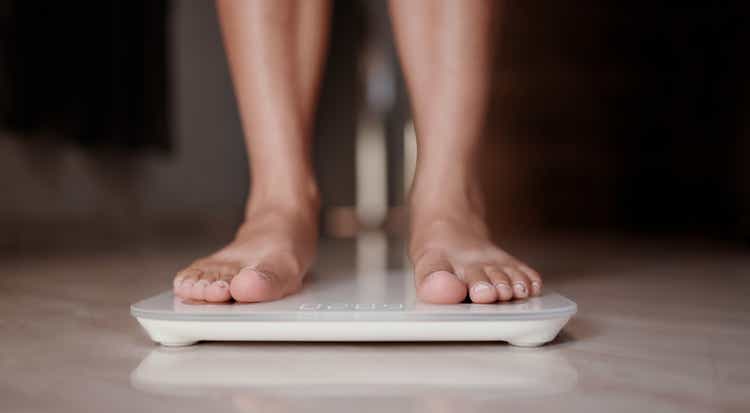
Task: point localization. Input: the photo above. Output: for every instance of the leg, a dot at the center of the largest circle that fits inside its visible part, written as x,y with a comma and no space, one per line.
275,51
445,48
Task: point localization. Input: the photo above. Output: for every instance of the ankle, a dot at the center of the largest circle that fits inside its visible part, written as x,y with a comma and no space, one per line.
438,195
298,198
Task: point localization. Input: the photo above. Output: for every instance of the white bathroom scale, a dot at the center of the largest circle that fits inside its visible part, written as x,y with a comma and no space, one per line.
377,306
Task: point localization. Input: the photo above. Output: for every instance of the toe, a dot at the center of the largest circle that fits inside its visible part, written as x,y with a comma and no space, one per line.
480,289
500,281
251,285
217,292
534,277
198,290
183,282
519,281
436,282
441,287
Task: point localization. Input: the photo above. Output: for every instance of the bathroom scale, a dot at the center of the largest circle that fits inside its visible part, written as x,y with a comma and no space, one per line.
360,306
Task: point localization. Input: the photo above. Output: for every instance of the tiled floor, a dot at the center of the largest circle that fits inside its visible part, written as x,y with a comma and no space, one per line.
662,326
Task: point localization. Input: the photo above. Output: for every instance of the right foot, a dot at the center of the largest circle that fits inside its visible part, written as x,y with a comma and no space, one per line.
267,260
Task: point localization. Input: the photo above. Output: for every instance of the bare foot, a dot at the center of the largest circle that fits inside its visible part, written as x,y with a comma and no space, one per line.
266,261
453,255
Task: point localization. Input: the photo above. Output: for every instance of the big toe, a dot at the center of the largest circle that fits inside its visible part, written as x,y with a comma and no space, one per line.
441,287
251,286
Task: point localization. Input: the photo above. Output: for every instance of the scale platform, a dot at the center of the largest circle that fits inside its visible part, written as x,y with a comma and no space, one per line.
377,306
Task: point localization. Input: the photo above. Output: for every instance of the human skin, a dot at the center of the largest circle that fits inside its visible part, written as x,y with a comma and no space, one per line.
275,50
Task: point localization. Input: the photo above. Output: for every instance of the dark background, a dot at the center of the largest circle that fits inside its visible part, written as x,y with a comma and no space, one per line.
631,115
119,123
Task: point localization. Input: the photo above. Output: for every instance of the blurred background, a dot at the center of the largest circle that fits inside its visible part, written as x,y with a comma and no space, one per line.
118,124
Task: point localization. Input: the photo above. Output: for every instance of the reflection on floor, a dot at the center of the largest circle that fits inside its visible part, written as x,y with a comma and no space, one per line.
272,371
662,326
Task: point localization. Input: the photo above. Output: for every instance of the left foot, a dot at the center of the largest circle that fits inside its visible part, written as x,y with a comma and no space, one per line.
452,254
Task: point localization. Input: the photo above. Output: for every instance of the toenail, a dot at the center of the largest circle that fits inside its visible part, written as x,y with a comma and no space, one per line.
177,282
439,272
535,286
431,275
481,286
264,275
202,283
502,286
260,274
221,284
520,288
